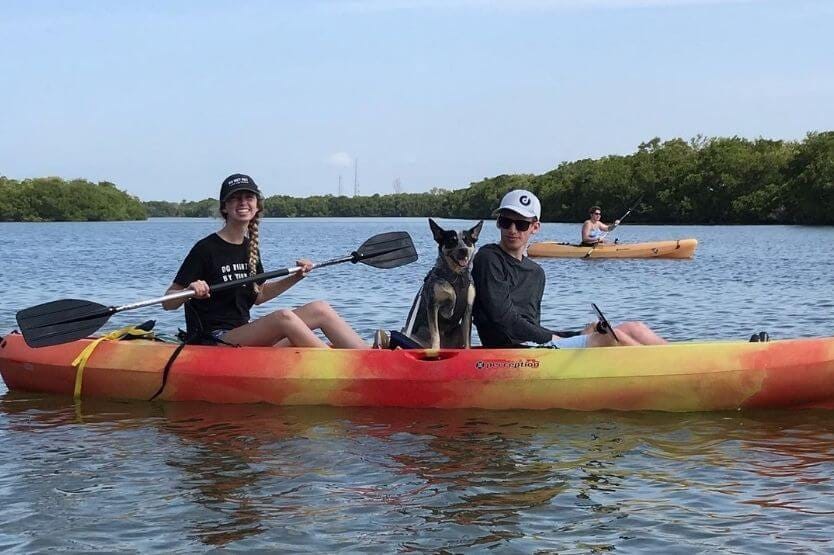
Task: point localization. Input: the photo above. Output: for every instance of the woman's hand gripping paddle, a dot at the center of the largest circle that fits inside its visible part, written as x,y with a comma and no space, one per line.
66,320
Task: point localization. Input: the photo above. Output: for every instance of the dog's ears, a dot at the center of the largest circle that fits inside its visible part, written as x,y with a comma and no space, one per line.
436,230
476,231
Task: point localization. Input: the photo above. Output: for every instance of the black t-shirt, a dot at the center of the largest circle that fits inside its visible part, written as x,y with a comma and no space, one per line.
508,299
216,261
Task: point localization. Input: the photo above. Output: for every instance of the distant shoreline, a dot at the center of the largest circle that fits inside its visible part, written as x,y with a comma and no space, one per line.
702,181
415,218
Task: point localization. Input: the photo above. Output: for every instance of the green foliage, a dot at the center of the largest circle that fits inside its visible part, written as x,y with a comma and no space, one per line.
54,199
703,180
810,190
200,209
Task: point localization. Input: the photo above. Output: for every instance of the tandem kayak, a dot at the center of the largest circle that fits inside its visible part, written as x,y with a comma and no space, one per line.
685,376
679,248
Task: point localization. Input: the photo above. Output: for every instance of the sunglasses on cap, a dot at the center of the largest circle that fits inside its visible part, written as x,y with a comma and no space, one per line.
505,223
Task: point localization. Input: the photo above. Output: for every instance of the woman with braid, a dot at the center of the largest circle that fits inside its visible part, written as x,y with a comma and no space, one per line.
233,253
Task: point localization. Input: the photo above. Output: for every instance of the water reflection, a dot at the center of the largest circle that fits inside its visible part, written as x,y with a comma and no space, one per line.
265,477
218,460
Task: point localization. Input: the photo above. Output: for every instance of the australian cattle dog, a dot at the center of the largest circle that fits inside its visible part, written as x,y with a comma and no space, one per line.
441,316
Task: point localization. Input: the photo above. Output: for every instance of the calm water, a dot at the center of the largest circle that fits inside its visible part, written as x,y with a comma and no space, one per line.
111,476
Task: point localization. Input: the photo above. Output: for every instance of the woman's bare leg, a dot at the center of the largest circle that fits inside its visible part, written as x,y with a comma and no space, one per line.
276,327
320,315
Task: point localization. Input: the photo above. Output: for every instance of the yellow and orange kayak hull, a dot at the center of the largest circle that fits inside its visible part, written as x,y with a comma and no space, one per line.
686,376
679,248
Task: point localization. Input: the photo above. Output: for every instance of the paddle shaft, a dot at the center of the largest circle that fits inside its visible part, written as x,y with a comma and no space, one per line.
188,293
604,235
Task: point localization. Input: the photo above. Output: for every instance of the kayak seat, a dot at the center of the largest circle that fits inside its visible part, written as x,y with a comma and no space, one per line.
401,340
759,337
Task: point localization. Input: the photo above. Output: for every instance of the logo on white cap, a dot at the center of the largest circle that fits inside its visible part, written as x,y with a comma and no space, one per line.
521,202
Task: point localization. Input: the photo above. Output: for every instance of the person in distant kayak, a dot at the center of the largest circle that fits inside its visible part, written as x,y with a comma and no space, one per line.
593,230
509,288
233,253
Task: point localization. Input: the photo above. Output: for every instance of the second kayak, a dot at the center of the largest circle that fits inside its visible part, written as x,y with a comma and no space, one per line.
679,248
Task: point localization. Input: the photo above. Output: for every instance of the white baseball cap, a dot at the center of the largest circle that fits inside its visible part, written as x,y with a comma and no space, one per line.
521,202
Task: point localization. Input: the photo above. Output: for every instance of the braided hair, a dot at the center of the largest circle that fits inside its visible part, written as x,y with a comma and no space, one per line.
254,236
254,251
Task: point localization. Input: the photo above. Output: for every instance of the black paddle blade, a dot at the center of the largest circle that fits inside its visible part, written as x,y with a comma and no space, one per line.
386,250
61,321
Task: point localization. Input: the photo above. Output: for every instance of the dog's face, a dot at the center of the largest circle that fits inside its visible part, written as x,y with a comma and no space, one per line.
456,247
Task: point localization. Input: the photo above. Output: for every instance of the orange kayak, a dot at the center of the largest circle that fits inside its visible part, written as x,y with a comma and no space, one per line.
679,248
686,376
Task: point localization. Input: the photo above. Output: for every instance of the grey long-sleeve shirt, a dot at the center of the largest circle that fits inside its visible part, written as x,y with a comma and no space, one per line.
508,299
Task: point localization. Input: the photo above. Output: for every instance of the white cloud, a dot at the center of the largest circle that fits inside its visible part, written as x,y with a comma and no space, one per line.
340,159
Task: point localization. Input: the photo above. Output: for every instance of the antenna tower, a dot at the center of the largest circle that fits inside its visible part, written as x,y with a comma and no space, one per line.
356,177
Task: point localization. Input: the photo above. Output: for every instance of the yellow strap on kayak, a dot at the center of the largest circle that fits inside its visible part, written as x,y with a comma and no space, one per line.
81,360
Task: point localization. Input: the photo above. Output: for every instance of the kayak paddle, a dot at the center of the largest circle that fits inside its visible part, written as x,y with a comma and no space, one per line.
601,237
66,320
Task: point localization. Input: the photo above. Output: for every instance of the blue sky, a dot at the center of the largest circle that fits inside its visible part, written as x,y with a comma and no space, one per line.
167,98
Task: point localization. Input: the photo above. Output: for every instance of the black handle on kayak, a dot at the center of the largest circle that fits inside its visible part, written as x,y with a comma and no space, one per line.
606,326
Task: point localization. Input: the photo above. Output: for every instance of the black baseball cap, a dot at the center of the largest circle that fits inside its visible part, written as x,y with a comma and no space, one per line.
238,182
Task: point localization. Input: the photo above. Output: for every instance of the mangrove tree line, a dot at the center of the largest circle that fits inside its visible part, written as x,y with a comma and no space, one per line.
55,199
698,181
